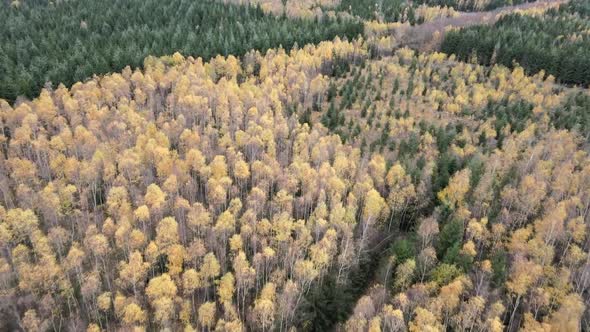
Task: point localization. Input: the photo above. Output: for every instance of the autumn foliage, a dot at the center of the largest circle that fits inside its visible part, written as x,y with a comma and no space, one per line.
255,193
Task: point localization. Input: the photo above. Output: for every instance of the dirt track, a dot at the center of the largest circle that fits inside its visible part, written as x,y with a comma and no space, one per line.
428,36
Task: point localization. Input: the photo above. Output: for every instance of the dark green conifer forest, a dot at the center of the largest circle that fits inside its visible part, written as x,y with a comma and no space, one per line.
69,41
556,42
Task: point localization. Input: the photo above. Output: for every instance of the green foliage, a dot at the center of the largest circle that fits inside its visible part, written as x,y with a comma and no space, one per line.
574,114
160,266
452,253
551,42
404,10
409,147
449,238
404,249
68,41
499,261
331,119
306,118
332,92
513,114
395,87
333,302
446,166
444,273
389,11
581,7
327,305
444,137
474,5
477,168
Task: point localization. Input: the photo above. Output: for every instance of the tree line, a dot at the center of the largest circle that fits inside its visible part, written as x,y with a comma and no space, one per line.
405,11
475,5
554,43
69,41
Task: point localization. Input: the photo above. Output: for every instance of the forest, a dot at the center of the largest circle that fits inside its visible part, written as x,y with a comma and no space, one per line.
370,10
179,197
402,10
341,184
69,41
474,5
556,42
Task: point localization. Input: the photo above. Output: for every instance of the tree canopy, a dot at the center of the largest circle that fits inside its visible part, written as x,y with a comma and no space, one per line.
69,41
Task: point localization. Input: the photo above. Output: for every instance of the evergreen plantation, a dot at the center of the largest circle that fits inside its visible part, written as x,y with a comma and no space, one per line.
474,5
69,41
557,42
401,10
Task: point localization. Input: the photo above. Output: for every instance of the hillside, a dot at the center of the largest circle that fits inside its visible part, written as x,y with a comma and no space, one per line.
333,184
555,42
182,175
69,41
